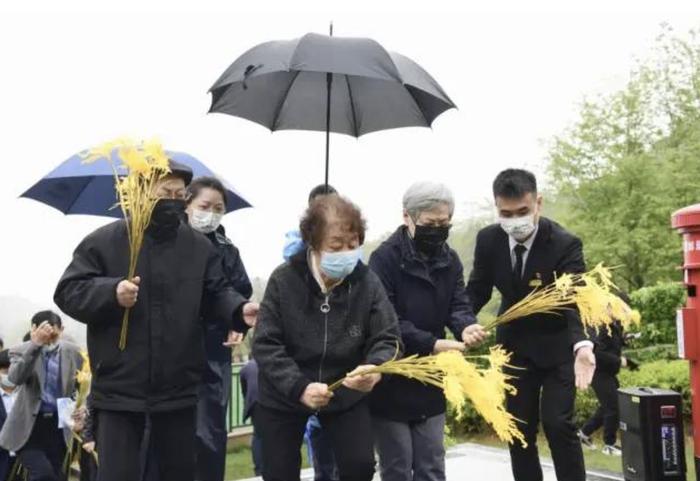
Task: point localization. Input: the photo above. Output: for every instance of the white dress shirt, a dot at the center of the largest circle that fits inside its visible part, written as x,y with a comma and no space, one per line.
528,246
8,400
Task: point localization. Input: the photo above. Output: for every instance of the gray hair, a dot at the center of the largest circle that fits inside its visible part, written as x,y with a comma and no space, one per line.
425,195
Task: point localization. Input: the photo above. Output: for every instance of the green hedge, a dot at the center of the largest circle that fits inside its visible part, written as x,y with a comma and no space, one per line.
659,374
662,374
658,305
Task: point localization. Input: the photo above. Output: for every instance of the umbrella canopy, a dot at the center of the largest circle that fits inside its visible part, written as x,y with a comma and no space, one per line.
350,86
75,187
282,85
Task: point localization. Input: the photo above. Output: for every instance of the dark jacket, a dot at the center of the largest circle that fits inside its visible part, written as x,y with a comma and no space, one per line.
608,349
89,433
296,343
235,272
182,282
249,387
5,459
546,340
428,296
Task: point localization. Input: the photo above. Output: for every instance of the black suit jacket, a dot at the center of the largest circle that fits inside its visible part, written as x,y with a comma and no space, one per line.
4,455
545,340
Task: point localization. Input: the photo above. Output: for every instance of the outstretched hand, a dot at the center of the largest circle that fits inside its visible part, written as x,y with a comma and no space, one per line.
584,367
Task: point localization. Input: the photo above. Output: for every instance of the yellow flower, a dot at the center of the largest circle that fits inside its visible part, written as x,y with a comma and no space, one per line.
134,160
146,163
563,283
155,153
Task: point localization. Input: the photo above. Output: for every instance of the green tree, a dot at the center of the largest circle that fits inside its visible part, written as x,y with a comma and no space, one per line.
632,159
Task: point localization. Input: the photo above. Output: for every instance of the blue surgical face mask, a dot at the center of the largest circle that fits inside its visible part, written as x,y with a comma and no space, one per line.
338,265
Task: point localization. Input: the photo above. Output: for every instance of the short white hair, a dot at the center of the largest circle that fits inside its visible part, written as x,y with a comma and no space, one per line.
425,196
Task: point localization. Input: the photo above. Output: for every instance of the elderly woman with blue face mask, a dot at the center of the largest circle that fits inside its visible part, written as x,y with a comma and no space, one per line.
206,206
324,314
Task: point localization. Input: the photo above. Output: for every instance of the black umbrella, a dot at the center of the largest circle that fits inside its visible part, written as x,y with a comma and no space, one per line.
350,86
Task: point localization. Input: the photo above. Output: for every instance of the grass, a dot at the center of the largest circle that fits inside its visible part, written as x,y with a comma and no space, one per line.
239,462
595,460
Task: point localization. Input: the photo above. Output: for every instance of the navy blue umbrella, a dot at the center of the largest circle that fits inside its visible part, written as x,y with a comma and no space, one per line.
75,187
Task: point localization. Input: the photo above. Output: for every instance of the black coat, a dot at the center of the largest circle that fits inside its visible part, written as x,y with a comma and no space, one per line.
235,272
608,349
249,387
5,460
428,297
182,282
545,340
295,343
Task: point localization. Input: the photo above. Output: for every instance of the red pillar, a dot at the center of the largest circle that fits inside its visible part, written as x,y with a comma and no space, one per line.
687,222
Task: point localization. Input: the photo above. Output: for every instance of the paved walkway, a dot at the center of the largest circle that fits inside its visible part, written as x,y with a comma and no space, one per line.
473,462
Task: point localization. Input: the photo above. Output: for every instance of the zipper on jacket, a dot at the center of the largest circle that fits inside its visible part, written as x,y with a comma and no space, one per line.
325,309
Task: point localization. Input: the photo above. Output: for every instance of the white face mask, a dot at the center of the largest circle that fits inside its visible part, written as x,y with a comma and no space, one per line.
5,382
205,221
519,228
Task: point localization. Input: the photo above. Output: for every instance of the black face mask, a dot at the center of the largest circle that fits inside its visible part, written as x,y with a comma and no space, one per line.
166,218
430,239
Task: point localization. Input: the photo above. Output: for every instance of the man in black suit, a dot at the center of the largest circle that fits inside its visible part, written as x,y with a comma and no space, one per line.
522,252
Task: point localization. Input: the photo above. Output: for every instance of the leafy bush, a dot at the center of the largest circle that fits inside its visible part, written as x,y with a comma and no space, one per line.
658,305
662,374
653,353
672,375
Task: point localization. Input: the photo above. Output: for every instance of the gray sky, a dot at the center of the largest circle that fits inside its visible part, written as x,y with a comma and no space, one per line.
75,77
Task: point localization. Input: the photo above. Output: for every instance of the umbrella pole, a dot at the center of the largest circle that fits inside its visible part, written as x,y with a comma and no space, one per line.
329,84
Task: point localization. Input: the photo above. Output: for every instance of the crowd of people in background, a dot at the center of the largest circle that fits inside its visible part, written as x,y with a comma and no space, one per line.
157,409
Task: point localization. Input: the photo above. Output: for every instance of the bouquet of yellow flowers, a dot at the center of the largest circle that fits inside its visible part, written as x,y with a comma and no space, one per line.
83,379
143,165
463,381
593,293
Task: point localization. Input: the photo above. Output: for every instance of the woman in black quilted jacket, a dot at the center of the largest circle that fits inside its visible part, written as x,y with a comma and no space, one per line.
324,314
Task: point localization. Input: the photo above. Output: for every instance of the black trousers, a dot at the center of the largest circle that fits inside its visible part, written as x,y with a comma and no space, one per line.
282,434
547,395
214,393
43,454
120,442
607,415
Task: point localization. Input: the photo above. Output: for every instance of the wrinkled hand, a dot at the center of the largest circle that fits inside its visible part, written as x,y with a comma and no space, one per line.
584,367
444,345
42,334
474,335
128,292
316,395
250,313
89,447
234,339
362,382
78,417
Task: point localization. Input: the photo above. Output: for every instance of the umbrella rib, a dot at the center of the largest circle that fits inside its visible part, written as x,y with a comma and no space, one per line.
278,109
352,106
417,105
82,191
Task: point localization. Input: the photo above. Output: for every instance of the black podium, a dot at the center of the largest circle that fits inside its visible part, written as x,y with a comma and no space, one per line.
651,421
